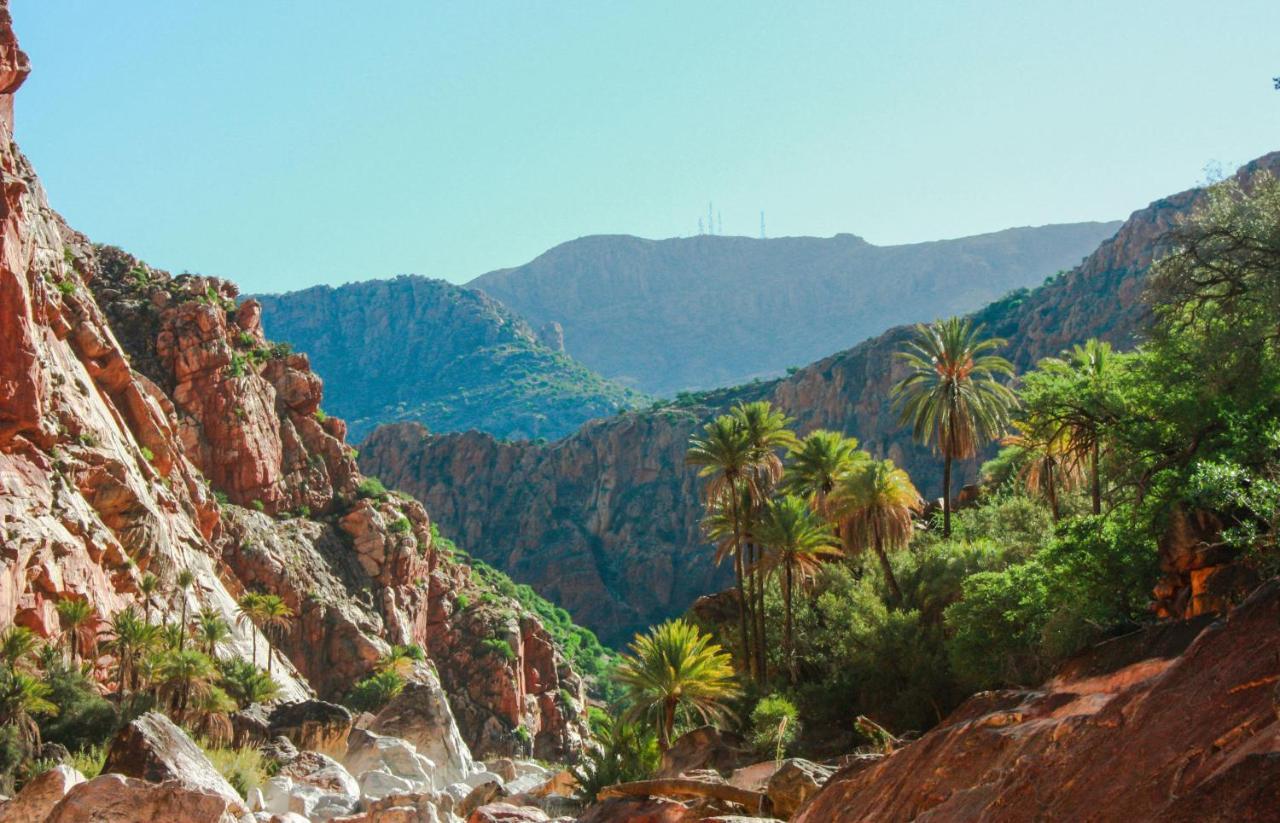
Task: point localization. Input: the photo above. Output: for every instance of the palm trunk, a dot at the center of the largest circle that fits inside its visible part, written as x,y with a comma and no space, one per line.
762,632
253,642
737,570
268,657
1051,491
787,640
884,566
1096,479
668,723
182,635
946,493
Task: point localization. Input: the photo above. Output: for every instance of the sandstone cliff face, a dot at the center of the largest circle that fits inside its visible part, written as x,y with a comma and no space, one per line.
1138,729
147,426
605,521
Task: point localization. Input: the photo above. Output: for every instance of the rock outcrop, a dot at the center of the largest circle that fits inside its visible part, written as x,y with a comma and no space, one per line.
147,426
606,521
154,749
39,797
411,348
1145,727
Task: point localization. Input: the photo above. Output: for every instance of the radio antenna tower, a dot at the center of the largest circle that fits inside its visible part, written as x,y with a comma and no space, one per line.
719,224
761,225
711,219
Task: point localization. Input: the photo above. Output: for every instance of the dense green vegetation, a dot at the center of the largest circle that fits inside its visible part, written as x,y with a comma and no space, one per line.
1104,453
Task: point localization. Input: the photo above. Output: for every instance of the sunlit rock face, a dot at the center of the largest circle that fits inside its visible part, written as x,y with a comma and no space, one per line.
147,426
1176,722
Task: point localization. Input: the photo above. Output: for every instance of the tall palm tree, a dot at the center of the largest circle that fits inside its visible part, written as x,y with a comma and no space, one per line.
211,715
817,462
277,616
723,454
76,617
211,629
873,504
675,668
767,433
253,612
951,396
245,682
130,638
1093,362
185,580
148,586
798,539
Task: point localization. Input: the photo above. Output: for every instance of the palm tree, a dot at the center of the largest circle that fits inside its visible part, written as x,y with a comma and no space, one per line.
401,659
211,629
817,462
767,433
1093,362
675,668
211,715
21,697
16,644
186,578
1050,465
131,638
798,539
253,612
276,618
873,504
951,395
184,673
246,683
148,587
723,454
75,616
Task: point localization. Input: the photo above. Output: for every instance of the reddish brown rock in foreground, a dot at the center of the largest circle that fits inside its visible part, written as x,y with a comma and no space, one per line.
1190,737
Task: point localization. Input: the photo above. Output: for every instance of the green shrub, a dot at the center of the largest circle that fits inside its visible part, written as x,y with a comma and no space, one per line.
89,761
774,726
84,718
401,526
320,415
244,768
499,647
237,364
374,692
258,505
147,454
371,488
626,753
67,287
462,602
244,339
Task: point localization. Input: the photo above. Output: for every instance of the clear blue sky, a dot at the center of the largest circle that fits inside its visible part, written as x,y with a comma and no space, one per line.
284,143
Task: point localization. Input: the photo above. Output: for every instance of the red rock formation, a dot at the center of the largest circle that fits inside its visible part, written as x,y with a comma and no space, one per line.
131,400
1134,730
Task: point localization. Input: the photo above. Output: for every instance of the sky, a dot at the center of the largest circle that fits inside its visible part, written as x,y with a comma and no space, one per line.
284,143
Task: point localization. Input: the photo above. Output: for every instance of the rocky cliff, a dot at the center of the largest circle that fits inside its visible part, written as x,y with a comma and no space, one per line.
698,312
447,357
148,426
1176,722
615,505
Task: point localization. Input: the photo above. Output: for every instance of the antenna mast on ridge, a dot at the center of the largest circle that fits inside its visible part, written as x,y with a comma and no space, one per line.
762,225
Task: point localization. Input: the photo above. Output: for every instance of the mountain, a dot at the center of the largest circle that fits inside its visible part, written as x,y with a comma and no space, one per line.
606,521
451,358
699,312
147,427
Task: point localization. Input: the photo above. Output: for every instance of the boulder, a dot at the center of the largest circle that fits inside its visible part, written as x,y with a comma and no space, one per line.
377,784
115,798
506,813
705,747
504,767
483,794
322,772
312,725
251,725
37,799
421,715
153,748
367,751
635,810
280,750
795,781
562,784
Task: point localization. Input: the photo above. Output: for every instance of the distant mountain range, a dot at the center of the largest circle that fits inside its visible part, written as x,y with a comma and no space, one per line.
665,316
411,348
606,522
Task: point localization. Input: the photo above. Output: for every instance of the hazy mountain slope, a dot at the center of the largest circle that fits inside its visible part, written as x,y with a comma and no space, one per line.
699,312
606,521
418,349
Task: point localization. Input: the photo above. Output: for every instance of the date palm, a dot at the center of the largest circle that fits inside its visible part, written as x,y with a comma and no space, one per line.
185,673
1051,465
1093,362
148,586
22,697
817,461
211,629
131,637
185,580
17,643
723,455
675,668
76,617
277,616
952,396
246,683
797,539
767,432
253,612
874,504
